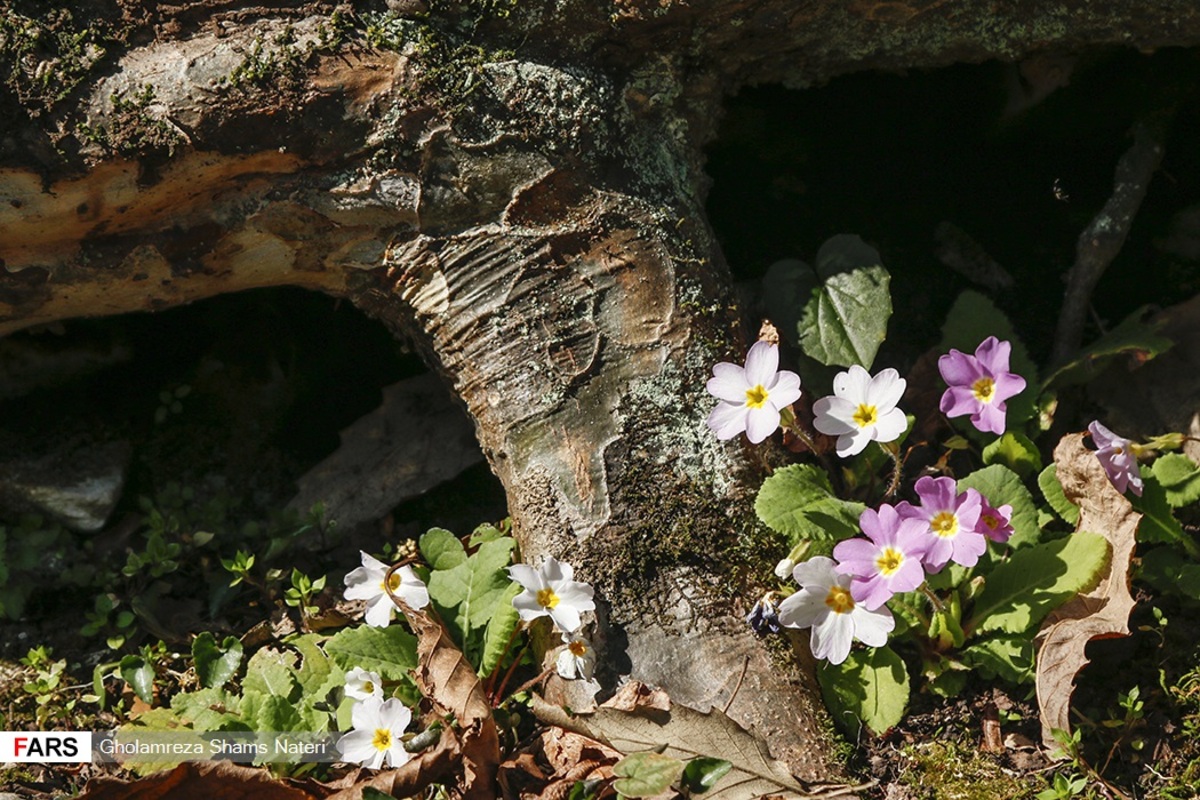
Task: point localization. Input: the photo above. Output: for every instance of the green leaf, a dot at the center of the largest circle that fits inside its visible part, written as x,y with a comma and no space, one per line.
210,710
1179,477
1035,580
441,549
390,651
973,318
1158,523
846,303
798,502
1133,337
484,533
139,674
499,630
469,593
1001,486
216,665
1053,492
869,688
646,774
702,774
1015,451
1165,570
1006,656
315,666
272,672
277,714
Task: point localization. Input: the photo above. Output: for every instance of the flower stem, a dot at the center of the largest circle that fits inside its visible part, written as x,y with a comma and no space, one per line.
529,684
933,598
893,450
491,683
508,676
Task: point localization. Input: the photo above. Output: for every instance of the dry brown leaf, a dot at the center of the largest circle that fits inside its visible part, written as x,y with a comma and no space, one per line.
429,767
1102,612
684,733
197,781
449,681
635,695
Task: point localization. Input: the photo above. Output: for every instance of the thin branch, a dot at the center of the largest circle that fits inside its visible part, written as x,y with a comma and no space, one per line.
1101,240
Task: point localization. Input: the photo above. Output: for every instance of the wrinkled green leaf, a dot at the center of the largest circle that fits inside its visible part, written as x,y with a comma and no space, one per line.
139,674
1179,477
272,672
1007,656
441,549
870,688
1053,492
973,318
315,665
847,303
499,630
1001,486
216,665
468,594
702,774
277,714
485,532
1133,337
799,502
1036,579
646,774
390,651
210,710
1015,451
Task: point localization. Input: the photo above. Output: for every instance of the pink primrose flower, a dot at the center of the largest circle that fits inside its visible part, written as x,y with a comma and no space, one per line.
980,384
888,560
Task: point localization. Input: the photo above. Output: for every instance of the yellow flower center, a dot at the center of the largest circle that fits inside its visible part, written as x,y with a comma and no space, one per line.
984,390
889,561
866,415
992,522
392,583
382,739
756,397
577,648
369,687
839,600
944,524
547,598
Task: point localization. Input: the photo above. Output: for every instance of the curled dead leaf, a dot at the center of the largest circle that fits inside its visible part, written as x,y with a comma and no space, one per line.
1102,612
449,681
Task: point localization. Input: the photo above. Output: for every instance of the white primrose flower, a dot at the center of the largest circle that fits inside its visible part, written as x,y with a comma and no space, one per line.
862,409
824,603
361,684
577,661
378,728
366,583
551,592
751,396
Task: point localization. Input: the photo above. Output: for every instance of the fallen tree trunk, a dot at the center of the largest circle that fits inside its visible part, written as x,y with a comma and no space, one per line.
518,189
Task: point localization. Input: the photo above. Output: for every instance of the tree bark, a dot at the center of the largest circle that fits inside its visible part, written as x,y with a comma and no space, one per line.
518,188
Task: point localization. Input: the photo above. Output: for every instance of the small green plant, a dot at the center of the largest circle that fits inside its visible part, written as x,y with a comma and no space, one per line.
1065,786
300,593
170,402
24,549
108,618
46,687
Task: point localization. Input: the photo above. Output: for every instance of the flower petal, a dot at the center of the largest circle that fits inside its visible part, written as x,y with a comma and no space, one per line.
761,364
727,420
872,627
786,390
852,385
890,427
527,576
993,355
379,611
761,423
885,390
728,383
834,416
832,638
959,369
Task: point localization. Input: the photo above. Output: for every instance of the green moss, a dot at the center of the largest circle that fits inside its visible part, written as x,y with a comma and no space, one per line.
949,771
133,129
43,59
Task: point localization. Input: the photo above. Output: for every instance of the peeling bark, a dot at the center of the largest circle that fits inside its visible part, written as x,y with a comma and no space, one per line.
521,195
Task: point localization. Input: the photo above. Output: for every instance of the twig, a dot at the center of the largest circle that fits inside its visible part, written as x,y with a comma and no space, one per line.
738,688
1101,240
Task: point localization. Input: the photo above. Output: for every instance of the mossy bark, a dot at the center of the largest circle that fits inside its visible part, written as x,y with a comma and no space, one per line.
516,187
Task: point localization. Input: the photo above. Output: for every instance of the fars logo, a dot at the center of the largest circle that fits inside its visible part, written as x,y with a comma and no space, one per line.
45,747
